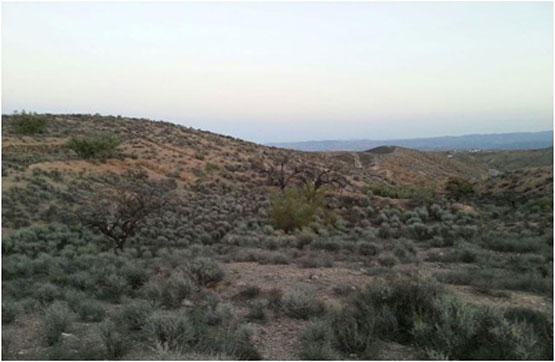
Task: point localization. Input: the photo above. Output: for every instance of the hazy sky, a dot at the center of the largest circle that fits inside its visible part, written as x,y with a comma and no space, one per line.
287,71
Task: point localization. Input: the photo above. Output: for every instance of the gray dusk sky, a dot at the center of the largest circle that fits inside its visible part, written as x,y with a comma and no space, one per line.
287,71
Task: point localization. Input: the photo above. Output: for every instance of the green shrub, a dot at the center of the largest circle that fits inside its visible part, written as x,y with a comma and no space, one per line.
542,323
93,146
275,297
205,271
315,342
234,340
248,292
416,193
57,318
257,311
47,293
419,312
209,167
29,123
114,339
368,248
136,275
296,208
112,287
316,260
10,310
134,314
174,330
89,310
457,188
76,350
388,260
152,291
178,287
301,305
541,203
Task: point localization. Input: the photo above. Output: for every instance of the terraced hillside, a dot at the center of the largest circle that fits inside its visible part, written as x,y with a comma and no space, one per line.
132,239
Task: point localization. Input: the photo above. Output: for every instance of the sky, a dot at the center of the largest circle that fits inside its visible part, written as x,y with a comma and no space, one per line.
272,72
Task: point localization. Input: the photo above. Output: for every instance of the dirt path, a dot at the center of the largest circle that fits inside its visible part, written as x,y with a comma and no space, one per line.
322,281
358,164
278,339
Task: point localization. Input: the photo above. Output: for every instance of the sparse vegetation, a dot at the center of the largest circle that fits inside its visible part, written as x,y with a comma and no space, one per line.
212,251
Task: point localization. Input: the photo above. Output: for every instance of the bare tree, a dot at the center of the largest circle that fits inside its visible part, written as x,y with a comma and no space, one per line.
321,175
118,208
280,172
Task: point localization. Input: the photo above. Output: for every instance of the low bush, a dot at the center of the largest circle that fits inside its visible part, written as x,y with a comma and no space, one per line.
111,287
316,260
93,146
178,287
315,342
57,318
388,260
301,305
257,311
368,248
115,340
48,292
419,312
416,193
29,123
10,310
248,292
205,271
134,314
89,310
173,330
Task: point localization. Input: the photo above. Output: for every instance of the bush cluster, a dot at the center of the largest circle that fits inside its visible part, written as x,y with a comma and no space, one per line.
420,313
93,145
29,123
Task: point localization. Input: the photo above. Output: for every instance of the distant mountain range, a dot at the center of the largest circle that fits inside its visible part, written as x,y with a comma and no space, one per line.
494,141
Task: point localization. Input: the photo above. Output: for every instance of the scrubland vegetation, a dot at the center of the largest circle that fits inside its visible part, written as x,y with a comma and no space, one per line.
172,243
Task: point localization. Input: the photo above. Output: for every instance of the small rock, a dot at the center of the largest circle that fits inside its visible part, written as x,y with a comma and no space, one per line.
187,303
68,337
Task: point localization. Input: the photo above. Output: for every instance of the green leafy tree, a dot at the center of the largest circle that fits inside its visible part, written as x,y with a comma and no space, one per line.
296,207
458,188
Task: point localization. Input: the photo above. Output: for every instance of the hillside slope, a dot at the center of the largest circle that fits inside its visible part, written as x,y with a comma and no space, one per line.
209,254
192,156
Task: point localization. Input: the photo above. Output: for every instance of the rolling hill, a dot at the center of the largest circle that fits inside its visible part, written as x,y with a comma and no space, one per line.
501,141
230,251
